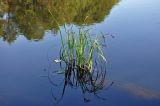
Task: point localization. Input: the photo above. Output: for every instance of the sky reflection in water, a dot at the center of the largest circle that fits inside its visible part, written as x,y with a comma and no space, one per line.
133,54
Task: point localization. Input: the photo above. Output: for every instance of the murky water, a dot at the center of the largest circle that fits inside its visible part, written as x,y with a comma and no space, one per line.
30,42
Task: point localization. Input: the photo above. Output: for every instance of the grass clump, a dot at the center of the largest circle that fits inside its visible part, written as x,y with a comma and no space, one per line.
85,62
79,47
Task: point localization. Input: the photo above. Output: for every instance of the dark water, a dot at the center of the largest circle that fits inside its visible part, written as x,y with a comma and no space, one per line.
30,41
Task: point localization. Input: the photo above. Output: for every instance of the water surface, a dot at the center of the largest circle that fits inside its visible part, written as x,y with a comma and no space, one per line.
30,41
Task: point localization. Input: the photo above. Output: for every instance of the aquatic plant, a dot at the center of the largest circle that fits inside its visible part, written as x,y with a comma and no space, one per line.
82,62
79,48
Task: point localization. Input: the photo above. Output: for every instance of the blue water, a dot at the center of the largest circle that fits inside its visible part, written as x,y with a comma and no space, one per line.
132,55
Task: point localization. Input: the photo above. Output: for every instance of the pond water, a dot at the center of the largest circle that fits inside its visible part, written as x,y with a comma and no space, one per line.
30,42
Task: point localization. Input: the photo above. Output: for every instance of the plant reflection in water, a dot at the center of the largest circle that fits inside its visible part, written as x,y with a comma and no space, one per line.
76,71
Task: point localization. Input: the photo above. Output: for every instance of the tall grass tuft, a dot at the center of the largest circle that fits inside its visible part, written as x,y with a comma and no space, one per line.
85,61
79,47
